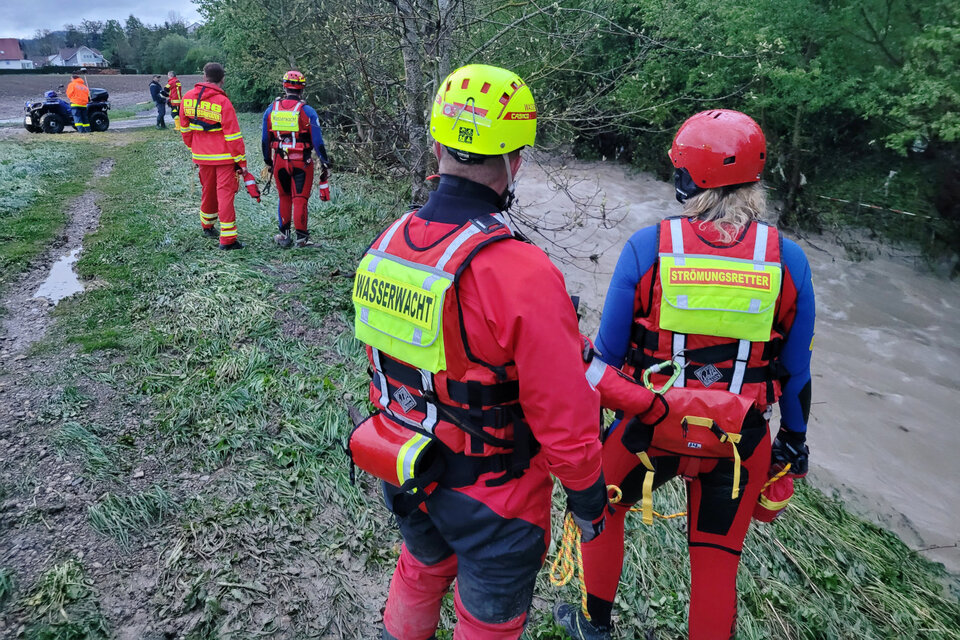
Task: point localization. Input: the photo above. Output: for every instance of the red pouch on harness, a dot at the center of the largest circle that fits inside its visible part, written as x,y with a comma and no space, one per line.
702,423
389,451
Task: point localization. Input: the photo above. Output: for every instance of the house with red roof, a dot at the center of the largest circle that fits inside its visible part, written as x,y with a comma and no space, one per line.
11,56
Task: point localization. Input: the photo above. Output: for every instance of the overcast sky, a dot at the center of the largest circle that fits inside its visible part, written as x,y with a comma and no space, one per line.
22,18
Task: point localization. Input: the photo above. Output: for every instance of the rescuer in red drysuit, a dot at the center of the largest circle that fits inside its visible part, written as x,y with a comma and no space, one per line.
291,135
719,156
511,405
174,97
210,129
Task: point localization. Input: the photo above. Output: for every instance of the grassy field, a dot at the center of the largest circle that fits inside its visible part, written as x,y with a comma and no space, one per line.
201,397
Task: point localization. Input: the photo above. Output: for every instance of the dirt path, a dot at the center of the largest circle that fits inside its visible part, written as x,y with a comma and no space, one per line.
26,316
888,340
43,511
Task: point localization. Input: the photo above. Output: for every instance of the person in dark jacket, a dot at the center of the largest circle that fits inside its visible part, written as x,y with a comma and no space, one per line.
158,93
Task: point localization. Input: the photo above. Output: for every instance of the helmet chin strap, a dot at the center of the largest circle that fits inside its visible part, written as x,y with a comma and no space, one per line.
507,197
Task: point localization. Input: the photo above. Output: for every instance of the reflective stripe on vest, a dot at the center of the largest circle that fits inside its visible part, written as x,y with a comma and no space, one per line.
715,295
405,333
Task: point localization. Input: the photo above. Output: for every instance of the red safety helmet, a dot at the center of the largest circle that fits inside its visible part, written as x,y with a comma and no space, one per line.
294,80
720,147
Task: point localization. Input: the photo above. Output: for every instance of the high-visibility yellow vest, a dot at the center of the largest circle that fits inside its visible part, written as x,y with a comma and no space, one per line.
399,308
716,294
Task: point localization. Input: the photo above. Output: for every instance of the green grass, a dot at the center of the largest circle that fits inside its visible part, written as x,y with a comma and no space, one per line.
123,517
99,459
39,179
246,363
131,112
62,606
7,585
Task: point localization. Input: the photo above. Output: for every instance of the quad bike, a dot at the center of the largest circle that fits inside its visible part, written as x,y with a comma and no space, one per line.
53,114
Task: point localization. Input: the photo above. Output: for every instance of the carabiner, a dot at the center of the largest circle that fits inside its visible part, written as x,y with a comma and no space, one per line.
656,369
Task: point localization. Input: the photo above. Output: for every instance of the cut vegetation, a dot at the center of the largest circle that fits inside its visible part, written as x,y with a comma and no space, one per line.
196,400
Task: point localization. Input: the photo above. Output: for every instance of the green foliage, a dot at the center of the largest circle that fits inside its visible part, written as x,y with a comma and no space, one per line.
199,54
170,52
7,585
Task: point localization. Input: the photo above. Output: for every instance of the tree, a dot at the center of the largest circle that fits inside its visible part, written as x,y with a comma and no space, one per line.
116,48
170,53
92,31
73,37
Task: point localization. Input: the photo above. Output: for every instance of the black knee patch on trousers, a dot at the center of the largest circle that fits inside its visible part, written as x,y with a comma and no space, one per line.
299,179
717,508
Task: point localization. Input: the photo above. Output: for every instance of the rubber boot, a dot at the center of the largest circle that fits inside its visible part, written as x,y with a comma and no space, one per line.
236,244
211,233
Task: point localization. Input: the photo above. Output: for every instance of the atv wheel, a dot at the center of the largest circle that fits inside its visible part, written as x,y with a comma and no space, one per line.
99,121
31,128
51,123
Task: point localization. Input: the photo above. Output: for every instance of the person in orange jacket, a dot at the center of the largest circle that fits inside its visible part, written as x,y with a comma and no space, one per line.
174,97
79,95
208,123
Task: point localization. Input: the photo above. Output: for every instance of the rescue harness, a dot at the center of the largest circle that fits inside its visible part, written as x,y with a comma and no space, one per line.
286,138
437,421
712,309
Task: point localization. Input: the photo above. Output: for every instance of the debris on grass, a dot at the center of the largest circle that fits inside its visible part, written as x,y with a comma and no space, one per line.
98,458
62,605
123,517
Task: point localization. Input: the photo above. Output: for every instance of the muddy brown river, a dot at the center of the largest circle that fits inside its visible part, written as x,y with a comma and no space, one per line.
886,391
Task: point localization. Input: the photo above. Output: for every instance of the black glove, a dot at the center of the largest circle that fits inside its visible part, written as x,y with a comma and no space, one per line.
589,508
637,434
590,529
790,447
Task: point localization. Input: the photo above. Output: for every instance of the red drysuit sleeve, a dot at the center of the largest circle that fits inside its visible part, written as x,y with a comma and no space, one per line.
185,130
618,391
232,135
521,297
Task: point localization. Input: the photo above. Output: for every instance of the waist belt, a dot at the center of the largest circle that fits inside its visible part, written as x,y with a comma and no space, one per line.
469,393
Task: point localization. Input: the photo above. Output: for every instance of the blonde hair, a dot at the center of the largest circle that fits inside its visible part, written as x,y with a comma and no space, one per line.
730,210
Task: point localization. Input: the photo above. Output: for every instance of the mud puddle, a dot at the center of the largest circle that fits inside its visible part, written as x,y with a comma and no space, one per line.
51,278
884,365
62,281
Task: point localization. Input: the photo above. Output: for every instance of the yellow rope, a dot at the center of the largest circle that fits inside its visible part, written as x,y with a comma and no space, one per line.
618,496
569,561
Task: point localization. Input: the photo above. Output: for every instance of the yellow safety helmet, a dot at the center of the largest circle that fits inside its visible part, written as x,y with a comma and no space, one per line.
482,110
